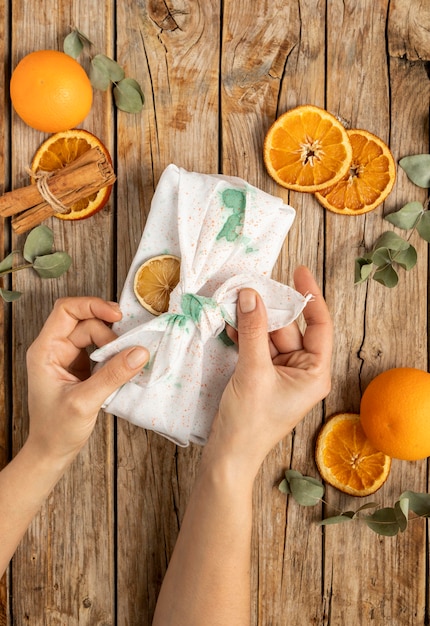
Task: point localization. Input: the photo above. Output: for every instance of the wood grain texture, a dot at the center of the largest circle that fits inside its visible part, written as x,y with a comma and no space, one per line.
372,324
256,89
215,76
63,570
174,54
409,30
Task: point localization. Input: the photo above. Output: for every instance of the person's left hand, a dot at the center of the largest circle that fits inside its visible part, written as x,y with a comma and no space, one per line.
64,398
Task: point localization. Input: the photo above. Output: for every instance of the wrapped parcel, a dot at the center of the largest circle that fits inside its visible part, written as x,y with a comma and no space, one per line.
228,235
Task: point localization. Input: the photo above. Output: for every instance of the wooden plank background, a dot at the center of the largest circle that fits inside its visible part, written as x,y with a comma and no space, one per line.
215,76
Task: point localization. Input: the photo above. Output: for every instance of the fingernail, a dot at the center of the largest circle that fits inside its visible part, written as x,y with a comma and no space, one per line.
114,305
247,300
137,357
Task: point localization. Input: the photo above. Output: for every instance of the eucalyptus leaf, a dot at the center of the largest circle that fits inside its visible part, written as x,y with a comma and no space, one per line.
382,257
128,96
386,276
363,269
73,44
9,296
401,509
403,503
99,76
290,473
419,503
336,519
85,40
285,484
392,241
52,265
383,521
407,258
7,263
407,217
423,226
417,168
109,66
368,505
306,491
39,242
283,487
366,270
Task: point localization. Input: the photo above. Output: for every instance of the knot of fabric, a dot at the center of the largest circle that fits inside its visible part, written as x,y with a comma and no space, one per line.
205,313
228,235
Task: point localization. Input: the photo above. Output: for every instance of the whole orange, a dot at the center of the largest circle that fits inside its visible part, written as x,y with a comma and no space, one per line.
50,91
395,413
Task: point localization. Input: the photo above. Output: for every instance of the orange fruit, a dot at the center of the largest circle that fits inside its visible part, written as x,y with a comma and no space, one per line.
50,91
63,148
395,413
347,460
369,180
307,149
154,280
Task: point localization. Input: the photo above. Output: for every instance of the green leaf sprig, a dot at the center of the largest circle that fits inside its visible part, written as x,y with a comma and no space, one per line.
37,254
392,251
386,521
104,72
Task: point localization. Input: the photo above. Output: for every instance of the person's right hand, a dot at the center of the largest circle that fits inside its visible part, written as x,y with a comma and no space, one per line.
64,397
277,380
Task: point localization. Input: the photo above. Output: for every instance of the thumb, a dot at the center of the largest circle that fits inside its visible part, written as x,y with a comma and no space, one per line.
252,330
114,373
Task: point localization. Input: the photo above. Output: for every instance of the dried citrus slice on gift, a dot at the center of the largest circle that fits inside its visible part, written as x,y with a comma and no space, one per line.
347,460
307,149
154,281
369,180
61,149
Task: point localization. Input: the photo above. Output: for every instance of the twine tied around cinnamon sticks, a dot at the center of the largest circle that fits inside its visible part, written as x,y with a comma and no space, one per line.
55,192
41,179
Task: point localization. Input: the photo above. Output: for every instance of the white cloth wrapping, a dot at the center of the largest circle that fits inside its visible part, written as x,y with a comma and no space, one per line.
228,235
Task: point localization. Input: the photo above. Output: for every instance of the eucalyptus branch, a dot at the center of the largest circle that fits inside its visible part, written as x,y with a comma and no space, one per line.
38,252
104,72
390,249
387,521
17,268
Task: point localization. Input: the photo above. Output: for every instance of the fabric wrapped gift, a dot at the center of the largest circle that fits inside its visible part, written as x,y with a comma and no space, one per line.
228,235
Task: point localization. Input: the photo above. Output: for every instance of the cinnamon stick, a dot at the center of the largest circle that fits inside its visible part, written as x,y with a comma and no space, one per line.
34,216
85,175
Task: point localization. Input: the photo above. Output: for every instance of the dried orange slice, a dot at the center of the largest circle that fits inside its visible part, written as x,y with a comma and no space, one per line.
61,149
307,149
154,280
368,182
347,460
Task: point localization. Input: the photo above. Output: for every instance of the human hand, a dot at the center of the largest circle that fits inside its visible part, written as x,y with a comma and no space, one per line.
277,380
63,397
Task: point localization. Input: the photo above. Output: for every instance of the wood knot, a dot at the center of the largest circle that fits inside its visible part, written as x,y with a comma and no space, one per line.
159,13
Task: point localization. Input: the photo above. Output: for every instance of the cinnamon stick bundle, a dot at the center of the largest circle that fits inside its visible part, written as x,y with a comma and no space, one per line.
87,174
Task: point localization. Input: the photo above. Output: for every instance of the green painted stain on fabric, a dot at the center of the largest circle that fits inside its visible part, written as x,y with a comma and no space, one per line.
236,200
192,305
225,339
176,318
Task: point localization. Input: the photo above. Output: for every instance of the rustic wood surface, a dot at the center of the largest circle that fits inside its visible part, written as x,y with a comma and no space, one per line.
215,76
